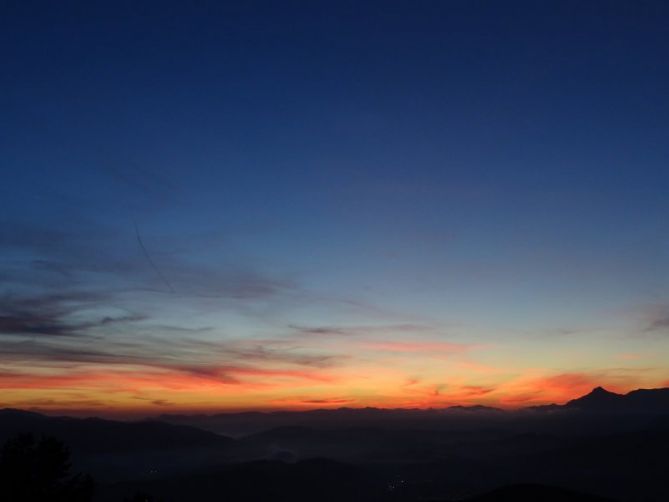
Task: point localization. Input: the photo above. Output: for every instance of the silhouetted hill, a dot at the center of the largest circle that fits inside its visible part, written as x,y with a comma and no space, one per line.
599,399
636,401
97,435
112,450
474,408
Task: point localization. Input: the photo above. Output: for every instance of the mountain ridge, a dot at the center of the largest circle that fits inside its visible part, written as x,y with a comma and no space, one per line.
638,400
598,399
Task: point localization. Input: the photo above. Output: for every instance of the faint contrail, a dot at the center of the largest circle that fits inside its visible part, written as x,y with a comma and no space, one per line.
148,258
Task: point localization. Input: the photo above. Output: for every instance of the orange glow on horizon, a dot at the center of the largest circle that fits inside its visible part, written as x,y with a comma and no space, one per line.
133,391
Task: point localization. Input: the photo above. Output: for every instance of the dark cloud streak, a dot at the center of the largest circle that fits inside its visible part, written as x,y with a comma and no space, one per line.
660,323
358,330
50,314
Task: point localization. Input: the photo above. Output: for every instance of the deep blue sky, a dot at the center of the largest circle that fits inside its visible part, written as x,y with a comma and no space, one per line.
487,173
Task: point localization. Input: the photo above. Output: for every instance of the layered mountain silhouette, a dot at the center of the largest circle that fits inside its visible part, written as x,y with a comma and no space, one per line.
612,446
97,435
599,400
114,450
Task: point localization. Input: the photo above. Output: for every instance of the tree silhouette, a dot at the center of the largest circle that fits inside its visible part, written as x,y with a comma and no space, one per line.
39,471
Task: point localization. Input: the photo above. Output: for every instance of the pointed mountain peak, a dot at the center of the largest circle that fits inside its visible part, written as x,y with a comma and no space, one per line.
600,391
597,398
640,400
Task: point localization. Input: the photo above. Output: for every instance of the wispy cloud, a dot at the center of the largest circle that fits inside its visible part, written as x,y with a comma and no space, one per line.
659,323
359,330
476,390
175,363
305,402
51,257
54,314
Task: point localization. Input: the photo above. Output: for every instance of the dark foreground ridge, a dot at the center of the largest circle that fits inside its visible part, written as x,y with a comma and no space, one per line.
602,446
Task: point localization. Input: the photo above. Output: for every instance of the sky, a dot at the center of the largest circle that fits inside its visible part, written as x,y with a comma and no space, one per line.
222,206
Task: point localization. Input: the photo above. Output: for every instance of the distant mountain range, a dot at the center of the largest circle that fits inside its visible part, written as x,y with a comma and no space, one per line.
608,444
599,400
170,431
